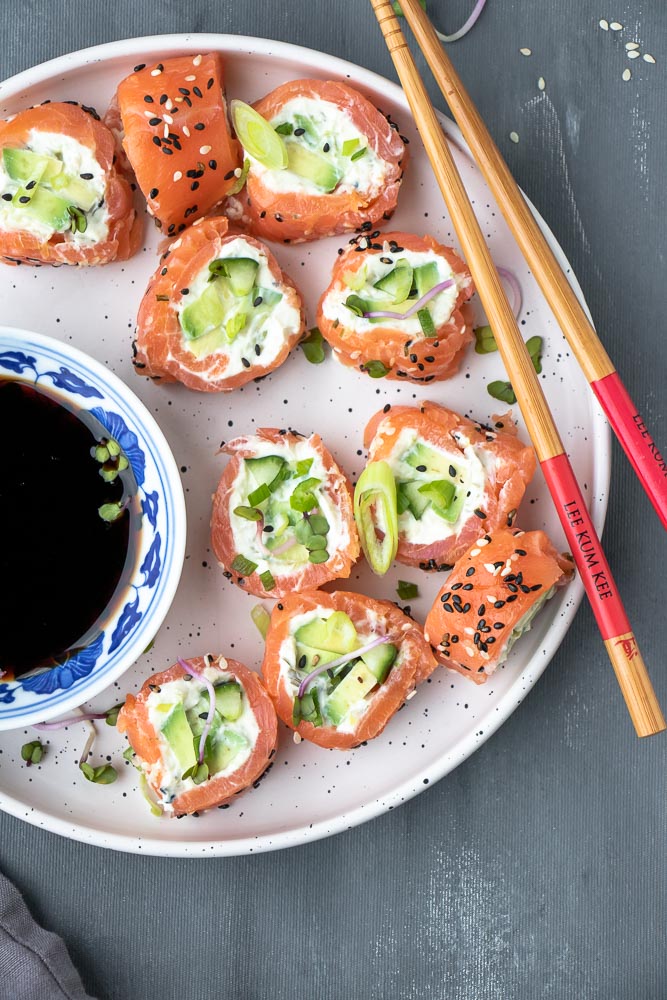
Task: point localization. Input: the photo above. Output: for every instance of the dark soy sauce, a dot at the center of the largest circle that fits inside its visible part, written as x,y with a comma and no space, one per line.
60,562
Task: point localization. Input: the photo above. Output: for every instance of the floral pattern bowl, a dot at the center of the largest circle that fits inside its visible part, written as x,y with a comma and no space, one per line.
76,379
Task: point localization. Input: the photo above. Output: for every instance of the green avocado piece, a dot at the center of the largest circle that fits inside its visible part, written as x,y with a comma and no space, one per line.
229,700
313,166
435,464
204,315
45,207
224,750
179,736
397,282
23,165
426,278
335,634
77,192
380,659
314,657
351,689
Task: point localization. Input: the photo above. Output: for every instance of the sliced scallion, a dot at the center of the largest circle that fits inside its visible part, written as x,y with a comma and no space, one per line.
261,618
376,515
407,591
243,566
257,137
267,580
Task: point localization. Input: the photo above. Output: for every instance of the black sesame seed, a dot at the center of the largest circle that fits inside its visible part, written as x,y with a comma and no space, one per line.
197,92
245,362
24,199
511,598
479,513
467,586
470,571
258,350
7,197
498,625
200,126
213,164
421,468
456,586
156,140
536,586
153,193
448,608
229,175
299,131
466,609
326,147
258,301
210,83
148,99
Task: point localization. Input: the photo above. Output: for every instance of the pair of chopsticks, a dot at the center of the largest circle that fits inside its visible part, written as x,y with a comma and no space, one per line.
582,538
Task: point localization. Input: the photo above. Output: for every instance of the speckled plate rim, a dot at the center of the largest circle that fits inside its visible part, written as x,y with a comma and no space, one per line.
311,59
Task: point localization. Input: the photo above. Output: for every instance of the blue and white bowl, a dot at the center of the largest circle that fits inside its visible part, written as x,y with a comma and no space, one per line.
72,376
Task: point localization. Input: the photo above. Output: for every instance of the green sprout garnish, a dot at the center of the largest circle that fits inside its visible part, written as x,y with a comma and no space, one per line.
32,752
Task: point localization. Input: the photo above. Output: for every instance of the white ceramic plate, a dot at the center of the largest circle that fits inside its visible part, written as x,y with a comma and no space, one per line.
309,792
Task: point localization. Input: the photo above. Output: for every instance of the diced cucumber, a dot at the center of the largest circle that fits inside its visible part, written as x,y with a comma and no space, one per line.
425,278
411,499
241,272
311,133
453,512
355,280
234,325
228,745
379,660
264,470
229,700
204,315
349,146
179,736
335,634
268,296
313,166
351,689
440,492
397,282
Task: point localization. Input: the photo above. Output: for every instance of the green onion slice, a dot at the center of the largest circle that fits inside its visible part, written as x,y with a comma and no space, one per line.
259,495
376,514
258,137
243,566
249,513
303,466
267,580
406,590
261,618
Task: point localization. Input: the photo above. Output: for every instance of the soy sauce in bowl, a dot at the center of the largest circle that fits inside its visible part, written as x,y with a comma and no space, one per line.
69,525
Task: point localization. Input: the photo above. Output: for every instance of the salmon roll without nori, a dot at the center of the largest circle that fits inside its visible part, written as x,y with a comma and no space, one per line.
455,479
396,307
172,118
201,731
491,598
218,312
282,515
321,160
62,199
339,666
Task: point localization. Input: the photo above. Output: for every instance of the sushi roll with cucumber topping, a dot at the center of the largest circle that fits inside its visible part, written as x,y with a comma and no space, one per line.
396,307
218,312
339,666
282,515
62,198
453,481
491,598
321,159
200,732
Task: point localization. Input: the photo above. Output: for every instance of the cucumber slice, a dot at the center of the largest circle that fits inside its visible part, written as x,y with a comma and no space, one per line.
258,137
425,277
397,282
380,659
224,750
411,499
204,315
229,700
309,130
264,470
313,166
351,689
355,280
440,492
267,295
453,512
241,272
335,634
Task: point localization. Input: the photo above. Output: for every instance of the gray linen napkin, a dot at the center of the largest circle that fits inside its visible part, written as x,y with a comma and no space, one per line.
34,964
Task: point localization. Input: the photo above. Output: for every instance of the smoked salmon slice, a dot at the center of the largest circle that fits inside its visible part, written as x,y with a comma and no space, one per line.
172,118
63,200
344,703
396,307
491,597
345,165
218,311
164,726
282,518
456,479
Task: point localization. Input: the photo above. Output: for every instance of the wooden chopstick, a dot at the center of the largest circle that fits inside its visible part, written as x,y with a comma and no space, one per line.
591,562
596,364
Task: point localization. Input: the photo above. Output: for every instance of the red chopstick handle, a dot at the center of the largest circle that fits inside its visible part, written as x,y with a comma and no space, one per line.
637,443
585,547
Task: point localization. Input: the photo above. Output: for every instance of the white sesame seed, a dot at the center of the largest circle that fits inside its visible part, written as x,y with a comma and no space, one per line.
186,131
197,61
525,52
615,26
155,72
470,651
514,136
540,83
626,75
648,58
169,120
468,630
177,175
148,114
604,25
632,45
489,567
191,78
411,695
491,599
475,552
166,131
297,737
633,54
506,571
169,105
237,172
204,150
482,542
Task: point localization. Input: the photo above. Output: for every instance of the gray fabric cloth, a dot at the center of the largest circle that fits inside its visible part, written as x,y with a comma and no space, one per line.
34,964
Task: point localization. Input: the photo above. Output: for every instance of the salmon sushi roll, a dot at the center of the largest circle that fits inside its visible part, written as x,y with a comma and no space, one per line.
62,198
282,515
201,731
339,666
321,160
455,479
172,120
396,307
491,598
218,312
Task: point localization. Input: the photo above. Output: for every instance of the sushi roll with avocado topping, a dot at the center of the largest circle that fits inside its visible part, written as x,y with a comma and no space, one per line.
282,515
454,479
171,117
200,732
491,598
217,313
321,159
62,198
396,307
339,666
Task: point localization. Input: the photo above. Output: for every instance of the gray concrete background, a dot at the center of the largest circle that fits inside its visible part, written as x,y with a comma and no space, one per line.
537,869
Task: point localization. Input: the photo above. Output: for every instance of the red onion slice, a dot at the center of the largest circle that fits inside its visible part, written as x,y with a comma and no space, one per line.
512,283
470,23
354,655
88,717
211,708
